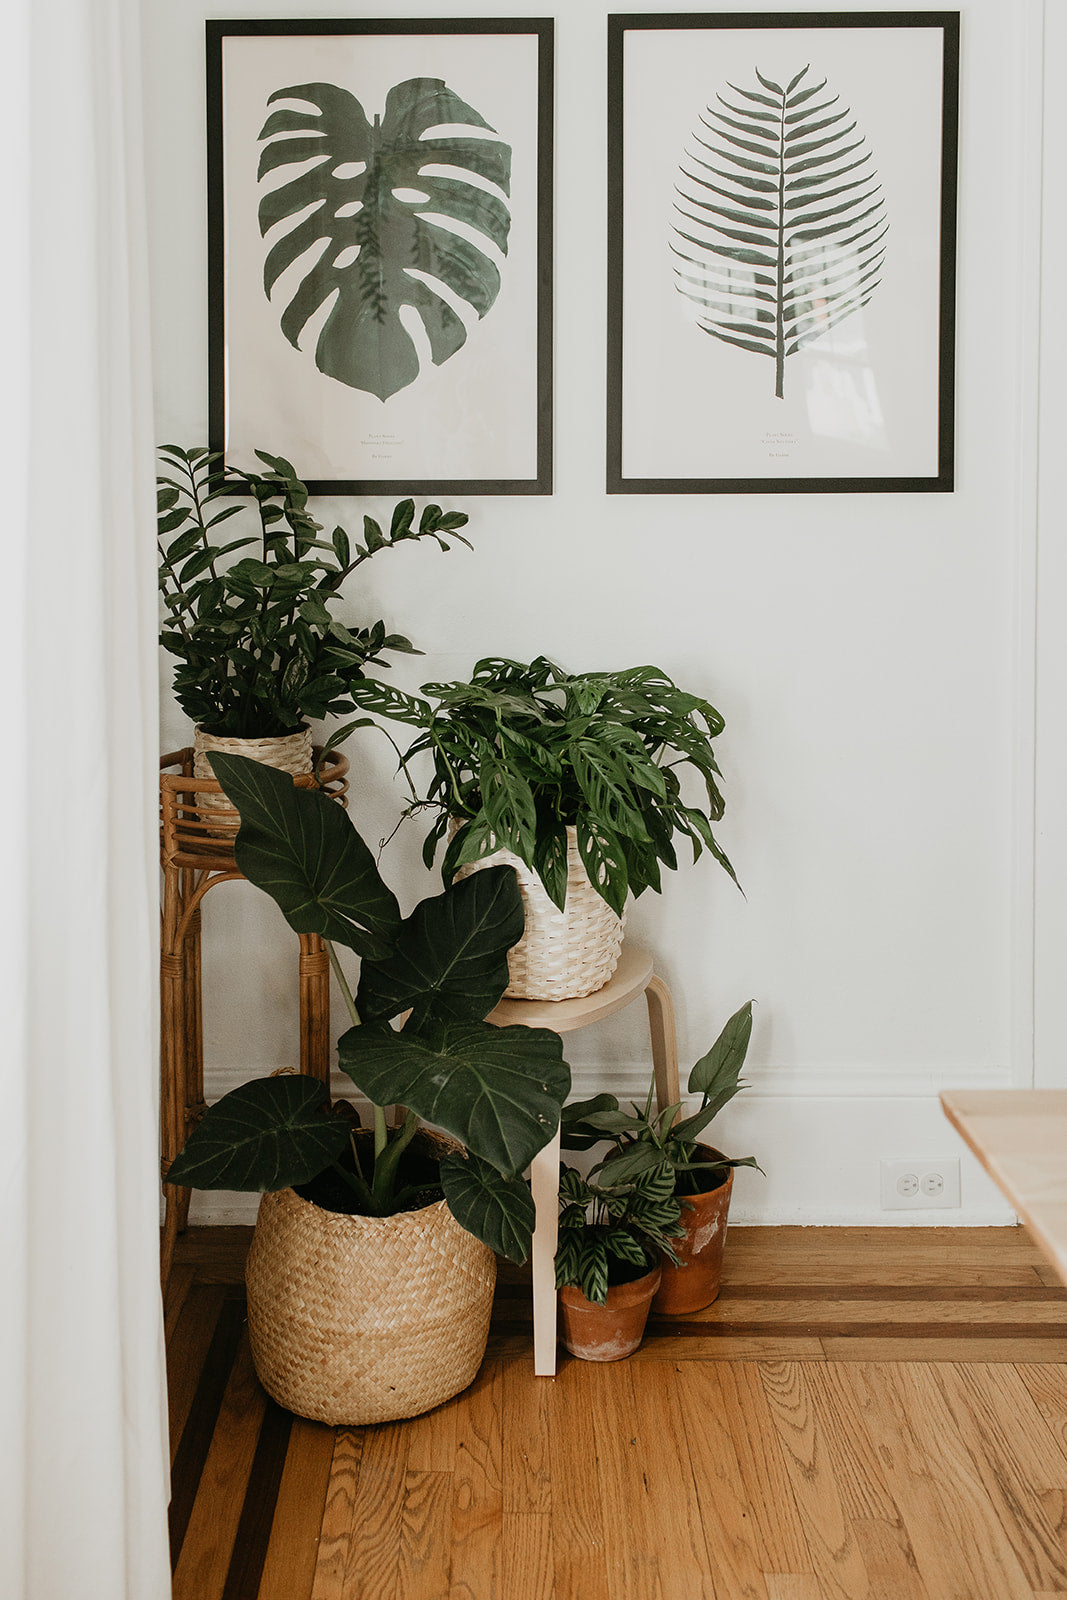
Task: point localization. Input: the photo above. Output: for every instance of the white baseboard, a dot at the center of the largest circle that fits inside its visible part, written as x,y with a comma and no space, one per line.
819,1138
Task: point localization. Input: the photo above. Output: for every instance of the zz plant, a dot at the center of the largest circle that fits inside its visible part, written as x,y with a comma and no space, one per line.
521,752
258,646
496,1090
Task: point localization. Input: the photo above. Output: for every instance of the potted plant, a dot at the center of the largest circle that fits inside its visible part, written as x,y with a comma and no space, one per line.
577,781
259,648
612,1236
370,1276
699,1175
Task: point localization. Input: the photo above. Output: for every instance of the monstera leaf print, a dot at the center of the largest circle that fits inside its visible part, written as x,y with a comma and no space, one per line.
365,211
783,218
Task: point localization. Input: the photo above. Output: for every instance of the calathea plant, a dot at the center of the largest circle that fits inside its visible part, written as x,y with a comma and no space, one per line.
496,1090
644,1141
521,752
611,1232
259,647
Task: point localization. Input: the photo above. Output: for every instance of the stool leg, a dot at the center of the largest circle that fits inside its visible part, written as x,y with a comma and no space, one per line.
544,1184
664,1042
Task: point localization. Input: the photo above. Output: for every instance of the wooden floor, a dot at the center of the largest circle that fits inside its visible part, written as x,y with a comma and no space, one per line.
863,1413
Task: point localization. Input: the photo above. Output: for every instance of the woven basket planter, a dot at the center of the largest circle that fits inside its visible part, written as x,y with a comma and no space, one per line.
355,1320
289,752
563,954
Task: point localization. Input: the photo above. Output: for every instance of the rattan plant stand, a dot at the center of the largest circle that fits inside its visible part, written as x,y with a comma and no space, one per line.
196,853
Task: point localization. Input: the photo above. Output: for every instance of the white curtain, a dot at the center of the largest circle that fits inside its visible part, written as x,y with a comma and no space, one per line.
83,1477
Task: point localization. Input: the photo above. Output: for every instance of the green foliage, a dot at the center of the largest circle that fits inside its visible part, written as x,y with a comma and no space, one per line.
653,1142
377,193
498,1090
521,752
258,646
612,1232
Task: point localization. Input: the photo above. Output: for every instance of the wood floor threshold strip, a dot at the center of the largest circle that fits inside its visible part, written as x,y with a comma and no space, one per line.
656,1329
257,1512
977,1294
192,1451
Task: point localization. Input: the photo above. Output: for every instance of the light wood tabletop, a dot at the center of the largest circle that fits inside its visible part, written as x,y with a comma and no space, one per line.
1020,1137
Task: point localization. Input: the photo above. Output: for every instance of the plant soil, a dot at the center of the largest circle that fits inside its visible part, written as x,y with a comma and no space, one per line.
418,1168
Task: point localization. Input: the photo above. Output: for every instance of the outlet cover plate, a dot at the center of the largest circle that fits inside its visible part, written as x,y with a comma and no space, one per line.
911,1183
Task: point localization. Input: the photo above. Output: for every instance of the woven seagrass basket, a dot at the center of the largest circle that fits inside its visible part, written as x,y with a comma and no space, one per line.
288,752
355,1320
563,954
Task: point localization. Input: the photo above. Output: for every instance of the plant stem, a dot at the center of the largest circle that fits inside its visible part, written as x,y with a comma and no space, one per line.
381,1131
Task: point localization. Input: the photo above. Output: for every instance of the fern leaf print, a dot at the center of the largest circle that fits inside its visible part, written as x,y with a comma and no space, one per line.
782,223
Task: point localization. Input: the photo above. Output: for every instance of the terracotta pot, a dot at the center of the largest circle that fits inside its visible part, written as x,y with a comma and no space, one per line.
609,1332
694,1283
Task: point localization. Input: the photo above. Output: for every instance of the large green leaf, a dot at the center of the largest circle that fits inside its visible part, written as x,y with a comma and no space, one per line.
268,1134
368,208
499,1211
498,1090
782,219
451,953
300,847
716,1075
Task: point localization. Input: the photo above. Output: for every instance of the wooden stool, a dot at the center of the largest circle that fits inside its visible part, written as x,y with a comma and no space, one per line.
196,853
632,977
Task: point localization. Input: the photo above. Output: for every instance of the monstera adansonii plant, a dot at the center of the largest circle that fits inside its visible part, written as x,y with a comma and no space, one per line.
783,218
375,208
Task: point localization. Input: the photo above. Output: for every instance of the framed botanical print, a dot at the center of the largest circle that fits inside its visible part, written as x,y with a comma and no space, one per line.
781,296
380,248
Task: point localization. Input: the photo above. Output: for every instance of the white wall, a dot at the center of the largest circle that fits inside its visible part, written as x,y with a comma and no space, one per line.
872,655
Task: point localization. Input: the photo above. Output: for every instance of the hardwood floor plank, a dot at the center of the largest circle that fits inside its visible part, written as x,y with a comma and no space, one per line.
873,1270
426,1525
632,1550
260,1499
736,1552
889,1560
865,1348
768,1494
793,1586
187,1351
198,1392
728,1346
675,1493
933,1315
207,1547
577,1521
525,1476
375,1534
432,1439
1046,1384
526,1556
815,1474
179,1283
960,1550
478,1496
1016,1458
336,1531
293,1550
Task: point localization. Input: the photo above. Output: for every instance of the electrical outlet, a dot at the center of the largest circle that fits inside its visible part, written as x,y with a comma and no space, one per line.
924,1183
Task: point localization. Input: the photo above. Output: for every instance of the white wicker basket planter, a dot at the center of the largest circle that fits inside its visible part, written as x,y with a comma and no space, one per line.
563,954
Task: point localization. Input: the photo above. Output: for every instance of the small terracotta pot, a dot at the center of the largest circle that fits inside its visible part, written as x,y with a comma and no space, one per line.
609,1332
694,1283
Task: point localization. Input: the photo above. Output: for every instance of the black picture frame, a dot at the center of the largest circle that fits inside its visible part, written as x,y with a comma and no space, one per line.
686,414
481,419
